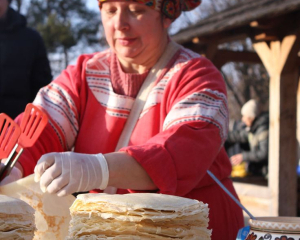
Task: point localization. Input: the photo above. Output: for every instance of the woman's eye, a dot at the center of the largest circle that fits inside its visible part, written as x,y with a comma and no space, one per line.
110,11
137,11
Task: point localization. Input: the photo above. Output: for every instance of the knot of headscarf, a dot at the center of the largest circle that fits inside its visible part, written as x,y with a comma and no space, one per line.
170,8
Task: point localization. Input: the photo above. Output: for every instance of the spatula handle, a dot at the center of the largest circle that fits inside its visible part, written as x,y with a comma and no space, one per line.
13,161
5,170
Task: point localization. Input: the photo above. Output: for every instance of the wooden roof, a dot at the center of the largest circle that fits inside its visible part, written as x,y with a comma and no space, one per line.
260,18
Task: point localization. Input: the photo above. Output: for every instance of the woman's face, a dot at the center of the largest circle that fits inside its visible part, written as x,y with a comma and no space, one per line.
134,31
247,120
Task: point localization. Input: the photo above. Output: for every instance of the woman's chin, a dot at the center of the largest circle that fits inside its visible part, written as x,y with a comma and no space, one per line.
127,52
127,55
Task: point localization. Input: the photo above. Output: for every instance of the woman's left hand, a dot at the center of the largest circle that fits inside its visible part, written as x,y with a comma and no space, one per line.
68,172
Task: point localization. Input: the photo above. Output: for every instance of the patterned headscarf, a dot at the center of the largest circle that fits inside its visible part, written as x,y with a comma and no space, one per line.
170,8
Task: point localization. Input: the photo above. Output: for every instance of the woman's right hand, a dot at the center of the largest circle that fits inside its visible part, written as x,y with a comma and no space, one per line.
69,172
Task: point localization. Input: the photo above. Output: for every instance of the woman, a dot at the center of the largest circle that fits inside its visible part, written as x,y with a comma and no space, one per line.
178,135
256,134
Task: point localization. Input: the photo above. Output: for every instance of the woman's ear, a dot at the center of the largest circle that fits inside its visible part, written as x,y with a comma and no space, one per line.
166,22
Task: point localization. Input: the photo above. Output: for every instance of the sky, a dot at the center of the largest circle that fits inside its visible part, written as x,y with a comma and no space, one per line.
93,4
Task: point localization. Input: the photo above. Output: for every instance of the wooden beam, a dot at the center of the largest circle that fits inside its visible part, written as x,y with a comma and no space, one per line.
265,37
259,25
220,57
266,24
280,60
224,56
211,51
226,37
196,47
265,55
239,33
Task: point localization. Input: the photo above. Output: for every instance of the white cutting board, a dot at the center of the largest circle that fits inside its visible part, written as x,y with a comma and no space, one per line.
52,214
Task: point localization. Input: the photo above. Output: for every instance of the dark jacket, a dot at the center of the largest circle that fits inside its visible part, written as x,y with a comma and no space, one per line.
258,138
24,66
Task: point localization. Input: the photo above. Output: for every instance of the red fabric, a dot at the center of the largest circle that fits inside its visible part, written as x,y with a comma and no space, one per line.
127,84
178,137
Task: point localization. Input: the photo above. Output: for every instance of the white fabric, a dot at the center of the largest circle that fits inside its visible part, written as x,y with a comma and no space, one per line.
250,109
14,175
105,172
68,172
141,98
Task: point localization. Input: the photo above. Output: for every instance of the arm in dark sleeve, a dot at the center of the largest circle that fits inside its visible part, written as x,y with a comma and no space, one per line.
41,71
260,152
237,136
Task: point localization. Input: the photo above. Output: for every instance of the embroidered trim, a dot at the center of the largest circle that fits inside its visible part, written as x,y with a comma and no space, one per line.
59,104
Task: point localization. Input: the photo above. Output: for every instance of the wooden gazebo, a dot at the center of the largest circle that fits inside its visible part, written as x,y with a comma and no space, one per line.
274,28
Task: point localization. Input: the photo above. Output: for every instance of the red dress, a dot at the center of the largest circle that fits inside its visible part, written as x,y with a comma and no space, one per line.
178,137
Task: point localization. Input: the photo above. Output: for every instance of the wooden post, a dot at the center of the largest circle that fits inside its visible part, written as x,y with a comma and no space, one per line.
280,60
298,119
211,51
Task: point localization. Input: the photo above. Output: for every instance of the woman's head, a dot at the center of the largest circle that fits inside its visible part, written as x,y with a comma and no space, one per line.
135,30
250,111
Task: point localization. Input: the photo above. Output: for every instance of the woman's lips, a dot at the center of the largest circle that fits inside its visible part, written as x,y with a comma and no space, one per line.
125,41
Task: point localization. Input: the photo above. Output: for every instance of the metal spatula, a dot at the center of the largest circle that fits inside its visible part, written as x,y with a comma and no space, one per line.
9,134
33,123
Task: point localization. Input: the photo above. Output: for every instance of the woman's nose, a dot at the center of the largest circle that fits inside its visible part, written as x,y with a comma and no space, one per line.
121,22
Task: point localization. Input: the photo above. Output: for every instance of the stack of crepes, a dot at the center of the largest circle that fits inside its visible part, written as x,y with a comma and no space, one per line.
138,216
16,219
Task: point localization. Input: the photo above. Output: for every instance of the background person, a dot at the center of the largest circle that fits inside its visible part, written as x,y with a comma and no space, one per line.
179,134
24,66
256,134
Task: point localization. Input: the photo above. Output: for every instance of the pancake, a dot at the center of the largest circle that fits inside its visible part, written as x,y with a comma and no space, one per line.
138,216
16,219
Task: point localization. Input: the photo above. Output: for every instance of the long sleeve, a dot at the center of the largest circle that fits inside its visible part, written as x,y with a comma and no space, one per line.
238,136
259,146
60,100
177,159
194,131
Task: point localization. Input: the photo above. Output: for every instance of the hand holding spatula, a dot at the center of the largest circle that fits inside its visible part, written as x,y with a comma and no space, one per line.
13,141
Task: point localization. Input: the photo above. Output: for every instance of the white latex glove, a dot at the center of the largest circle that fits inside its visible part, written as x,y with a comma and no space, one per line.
68,172
14,175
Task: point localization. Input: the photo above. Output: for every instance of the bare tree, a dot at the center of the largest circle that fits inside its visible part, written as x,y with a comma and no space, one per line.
245,81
